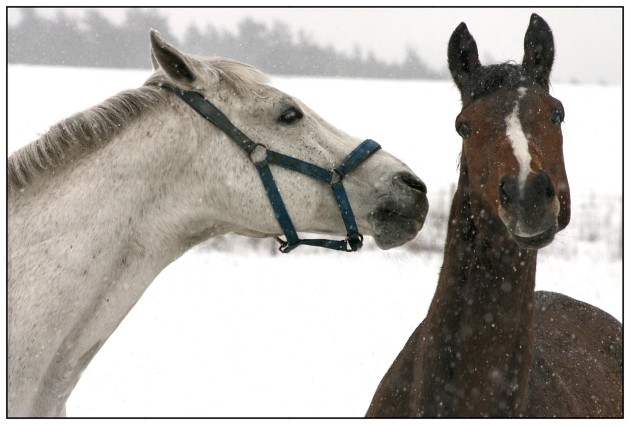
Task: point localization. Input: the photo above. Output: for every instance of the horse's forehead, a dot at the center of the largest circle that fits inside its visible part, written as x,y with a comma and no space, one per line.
265,94
501,104
273,93
499,119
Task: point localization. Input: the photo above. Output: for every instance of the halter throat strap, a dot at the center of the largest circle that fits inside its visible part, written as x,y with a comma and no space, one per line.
262,157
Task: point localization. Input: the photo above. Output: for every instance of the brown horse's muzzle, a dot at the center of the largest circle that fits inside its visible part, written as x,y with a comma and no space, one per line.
530,209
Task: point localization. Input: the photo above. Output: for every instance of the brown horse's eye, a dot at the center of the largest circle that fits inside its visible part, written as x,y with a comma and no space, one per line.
557,115
463,129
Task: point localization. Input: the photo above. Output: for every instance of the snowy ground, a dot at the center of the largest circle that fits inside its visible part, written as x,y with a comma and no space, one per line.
245,332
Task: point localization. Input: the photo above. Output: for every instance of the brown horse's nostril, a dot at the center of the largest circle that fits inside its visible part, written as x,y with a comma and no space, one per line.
508,193
541,185
412,181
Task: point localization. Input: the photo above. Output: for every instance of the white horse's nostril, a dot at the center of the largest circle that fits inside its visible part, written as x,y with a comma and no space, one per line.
412,181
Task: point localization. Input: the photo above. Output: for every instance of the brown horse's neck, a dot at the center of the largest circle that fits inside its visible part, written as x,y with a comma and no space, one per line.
480,319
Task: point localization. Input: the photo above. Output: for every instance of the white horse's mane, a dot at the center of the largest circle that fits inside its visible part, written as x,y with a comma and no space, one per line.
96,126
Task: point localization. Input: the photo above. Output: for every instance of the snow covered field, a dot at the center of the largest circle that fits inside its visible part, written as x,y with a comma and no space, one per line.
245,332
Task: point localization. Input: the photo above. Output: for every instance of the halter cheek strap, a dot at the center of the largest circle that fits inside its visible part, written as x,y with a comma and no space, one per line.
262,157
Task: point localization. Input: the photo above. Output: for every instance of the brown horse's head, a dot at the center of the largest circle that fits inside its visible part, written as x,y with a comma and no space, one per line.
512,140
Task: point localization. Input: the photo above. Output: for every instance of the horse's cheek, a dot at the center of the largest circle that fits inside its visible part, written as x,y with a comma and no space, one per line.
477,168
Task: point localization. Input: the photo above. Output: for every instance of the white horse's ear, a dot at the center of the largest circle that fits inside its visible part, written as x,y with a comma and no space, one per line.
154,62
177,66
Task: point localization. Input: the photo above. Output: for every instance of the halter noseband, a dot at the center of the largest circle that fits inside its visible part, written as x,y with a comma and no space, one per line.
333,177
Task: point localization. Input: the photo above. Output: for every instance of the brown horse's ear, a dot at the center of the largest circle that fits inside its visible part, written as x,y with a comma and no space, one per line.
173,62
463,57
539,50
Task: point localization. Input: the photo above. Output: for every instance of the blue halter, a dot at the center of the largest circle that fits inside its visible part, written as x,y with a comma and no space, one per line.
334,177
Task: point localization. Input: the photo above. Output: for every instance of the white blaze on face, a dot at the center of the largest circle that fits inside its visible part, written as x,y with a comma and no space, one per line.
518,140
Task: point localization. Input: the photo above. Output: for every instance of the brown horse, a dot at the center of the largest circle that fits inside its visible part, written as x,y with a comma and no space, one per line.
490,345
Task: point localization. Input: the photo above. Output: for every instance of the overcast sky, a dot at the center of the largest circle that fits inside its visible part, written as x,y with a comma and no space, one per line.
588,40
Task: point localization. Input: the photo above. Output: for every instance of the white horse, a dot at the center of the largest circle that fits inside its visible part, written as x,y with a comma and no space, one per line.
105,200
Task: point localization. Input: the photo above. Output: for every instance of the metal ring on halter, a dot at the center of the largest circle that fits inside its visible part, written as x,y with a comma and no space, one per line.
253,154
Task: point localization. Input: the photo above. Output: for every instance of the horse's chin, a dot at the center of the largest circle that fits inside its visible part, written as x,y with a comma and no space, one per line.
392,229
537,241
534,235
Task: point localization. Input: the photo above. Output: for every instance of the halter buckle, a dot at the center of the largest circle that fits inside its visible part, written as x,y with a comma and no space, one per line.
283,244
355,241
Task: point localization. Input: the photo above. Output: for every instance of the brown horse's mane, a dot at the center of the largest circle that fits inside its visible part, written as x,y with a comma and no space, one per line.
96,126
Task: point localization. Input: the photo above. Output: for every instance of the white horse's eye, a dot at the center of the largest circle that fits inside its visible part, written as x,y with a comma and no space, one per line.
290,116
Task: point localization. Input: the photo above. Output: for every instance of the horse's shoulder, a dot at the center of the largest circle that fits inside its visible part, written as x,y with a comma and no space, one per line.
577,353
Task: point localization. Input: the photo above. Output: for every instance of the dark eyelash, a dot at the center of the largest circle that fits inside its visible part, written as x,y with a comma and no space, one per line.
291,116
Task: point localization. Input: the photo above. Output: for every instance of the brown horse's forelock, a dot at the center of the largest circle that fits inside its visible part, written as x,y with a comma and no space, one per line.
489,79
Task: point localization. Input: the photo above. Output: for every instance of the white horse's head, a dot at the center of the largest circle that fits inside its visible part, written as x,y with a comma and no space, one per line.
387,198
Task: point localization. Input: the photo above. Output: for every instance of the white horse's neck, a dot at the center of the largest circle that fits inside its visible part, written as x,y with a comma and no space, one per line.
132,207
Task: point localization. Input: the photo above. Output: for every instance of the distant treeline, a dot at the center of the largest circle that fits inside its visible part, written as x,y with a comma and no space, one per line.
95,41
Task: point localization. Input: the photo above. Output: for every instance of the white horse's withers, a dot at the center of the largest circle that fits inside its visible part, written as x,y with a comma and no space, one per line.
104,201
